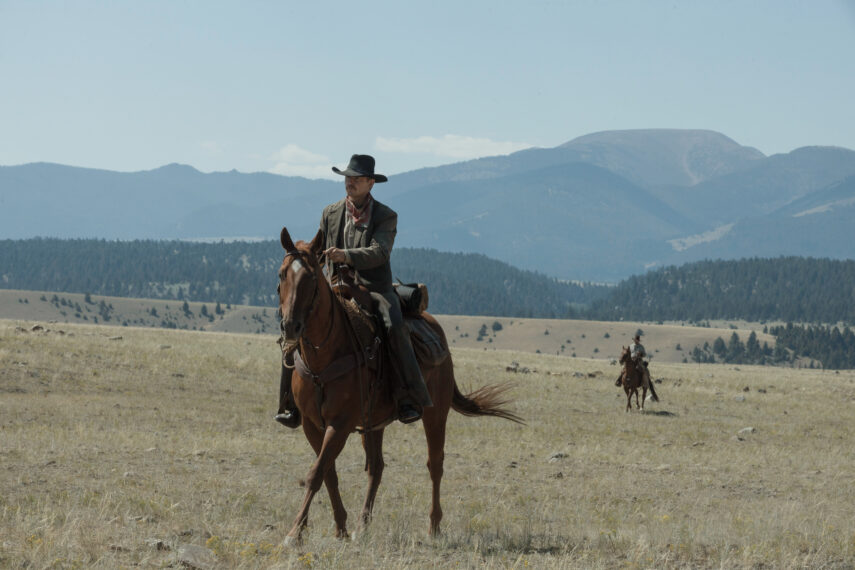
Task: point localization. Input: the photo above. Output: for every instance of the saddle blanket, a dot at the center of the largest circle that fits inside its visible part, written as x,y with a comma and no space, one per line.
426,343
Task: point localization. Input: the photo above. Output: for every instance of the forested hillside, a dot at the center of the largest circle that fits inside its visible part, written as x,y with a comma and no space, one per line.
474,284
786,289
800,290
793,289
245,273
828,345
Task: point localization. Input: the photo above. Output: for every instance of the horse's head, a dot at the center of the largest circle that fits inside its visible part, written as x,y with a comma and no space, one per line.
299,279
624,355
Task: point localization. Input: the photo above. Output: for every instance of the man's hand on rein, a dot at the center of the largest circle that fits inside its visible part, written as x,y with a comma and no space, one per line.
336,255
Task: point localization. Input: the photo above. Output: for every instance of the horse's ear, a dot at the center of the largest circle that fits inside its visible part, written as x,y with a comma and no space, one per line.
285,240
317,245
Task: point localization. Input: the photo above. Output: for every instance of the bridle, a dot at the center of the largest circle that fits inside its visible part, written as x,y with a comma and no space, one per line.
303,259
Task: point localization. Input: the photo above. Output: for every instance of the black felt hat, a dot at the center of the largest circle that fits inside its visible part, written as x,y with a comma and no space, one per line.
361,165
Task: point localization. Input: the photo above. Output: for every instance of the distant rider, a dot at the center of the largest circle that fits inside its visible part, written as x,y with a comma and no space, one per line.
637,353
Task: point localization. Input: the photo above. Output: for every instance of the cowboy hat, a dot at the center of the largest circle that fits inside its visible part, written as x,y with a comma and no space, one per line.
361,165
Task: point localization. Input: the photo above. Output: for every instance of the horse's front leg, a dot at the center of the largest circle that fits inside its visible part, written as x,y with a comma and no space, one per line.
372,443
339,512
628,398
328,446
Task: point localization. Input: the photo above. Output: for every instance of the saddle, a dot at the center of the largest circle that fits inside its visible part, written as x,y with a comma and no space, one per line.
344,285
357,302
641,367
368,330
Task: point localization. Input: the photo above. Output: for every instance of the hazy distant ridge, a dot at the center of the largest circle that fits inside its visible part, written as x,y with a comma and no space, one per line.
600,207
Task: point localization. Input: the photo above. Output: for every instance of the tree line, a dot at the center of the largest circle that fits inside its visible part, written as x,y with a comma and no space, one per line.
244,273
818,292
794,289
829,345
734,351
788,289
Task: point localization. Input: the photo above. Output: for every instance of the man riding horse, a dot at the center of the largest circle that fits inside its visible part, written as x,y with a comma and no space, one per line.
359,232
637,353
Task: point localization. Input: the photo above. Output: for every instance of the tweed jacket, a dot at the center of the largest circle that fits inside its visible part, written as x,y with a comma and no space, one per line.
371,255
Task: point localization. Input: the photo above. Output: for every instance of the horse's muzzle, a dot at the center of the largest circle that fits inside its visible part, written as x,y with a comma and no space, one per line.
291,329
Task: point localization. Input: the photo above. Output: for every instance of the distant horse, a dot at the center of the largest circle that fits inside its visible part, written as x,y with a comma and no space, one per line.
337,392
632,379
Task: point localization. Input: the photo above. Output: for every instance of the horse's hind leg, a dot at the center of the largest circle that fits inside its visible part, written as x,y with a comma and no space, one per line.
372,442
328,446
434,424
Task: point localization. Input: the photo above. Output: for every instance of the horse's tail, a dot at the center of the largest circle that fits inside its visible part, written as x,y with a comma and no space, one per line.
485,401
653,395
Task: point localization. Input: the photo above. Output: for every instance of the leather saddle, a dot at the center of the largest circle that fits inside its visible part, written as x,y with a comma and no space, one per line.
356,299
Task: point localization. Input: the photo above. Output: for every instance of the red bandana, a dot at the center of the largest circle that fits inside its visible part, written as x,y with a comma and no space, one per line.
360,216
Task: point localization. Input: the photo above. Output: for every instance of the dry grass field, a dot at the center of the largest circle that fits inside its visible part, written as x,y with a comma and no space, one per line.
667,342
123,311
141,447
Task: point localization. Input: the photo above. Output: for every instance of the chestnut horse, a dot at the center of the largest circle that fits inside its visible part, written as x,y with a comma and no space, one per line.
632,379
336,393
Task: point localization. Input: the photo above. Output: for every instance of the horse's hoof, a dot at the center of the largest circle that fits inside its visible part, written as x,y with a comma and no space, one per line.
290,543
344,535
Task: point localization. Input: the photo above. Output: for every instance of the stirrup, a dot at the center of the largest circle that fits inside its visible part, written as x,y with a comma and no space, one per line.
408,414
289,418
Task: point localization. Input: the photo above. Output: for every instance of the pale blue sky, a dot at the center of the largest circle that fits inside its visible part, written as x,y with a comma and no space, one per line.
295,87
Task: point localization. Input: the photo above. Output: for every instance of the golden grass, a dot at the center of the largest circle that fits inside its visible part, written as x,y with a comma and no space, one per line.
115,452
667,342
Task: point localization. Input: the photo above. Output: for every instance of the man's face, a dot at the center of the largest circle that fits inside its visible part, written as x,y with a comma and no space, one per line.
358,187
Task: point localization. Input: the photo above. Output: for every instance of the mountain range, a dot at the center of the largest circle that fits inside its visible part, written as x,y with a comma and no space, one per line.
601,207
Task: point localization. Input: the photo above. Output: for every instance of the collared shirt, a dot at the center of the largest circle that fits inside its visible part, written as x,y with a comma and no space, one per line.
355,223
351,234
637,349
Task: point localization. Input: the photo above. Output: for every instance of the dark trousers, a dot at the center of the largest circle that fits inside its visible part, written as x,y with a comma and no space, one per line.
411,388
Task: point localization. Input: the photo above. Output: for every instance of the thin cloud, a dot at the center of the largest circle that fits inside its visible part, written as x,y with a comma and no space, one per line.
450,146
291,160
211,147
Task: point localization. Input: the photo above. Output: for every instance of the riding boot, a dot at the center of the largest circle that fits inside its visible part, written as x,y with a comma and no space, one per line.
411,391
619,380
288,415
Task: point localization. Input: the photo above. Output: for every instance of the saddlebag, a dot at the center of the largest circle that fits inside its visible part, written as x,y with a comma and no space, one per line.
413,296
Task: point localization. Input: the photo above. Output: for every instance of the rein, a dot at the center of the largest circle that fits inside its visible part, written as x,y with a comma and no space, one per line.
358,358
